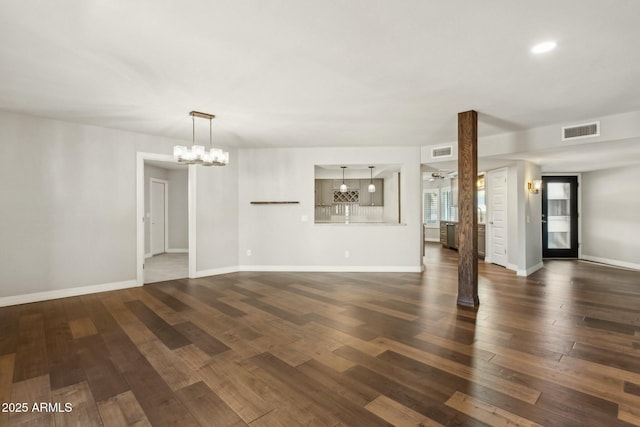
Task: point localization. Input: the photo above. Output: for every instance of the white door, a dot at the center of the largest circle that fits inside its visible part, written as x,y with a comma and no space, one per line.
497,192
158,219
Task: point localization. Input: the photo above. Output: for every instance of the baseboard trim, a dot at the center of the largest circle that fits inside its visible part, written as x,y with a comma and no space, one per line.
178,251
530,270
613,262
510,266
428,239
65,293
216,271
148,255
333,268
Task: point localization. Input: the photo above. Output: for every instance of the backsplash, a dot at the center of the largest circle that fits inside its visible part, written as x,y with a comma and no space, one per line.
349,212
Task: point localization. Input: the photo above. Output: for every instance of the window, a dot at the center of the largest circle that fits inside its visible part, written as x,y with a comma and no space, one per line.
447,208
430,204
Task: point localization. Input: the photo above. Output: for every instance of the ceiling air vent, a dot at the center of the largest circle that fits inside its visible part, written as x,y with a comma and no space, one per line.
439,152
585,130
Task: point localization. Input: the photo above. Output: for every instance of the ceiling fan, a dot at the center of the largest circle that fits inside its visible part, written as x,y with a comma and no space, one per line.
442,174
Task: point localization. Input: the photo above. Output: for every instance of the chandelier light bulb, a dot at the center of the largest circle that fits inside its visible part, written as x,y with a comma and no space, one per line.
198,154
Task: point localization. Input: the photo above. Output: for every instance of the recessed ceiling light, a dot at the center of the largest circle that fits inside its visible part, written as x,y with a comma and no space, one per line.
544,47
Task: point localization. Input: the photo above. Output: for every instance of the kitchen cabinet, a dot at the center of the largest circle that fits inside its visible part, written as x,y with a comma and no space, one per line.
449,237
482,240
324,192
371,199
324,189
352,184
448,234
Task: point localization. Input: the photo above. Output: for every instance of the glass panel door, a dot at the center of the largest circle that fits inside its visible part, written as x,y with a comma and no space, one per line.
559,216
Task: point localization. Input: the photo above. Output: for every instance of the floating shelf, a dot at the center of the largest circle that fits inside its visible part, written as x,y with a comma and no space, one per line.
275,203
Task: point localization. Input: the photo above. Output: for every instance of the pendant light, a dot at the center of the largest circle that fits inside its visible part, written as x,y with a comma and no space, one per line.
372,188
197,154
343,186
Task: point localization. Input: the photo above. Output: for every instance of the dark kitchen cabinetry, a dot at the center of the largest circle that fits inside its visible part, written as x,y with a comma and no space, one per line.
324,192
324,189
449,237
482,240
372,199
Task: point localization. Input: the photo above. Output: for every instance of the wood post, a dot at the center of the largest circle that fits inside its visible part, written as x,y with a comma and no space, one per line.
468,209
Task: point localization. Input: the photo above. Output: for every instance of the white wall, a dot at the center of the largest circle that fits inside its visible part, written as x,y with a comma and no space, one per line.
157,173
178,209
277,235
390,212
68,205
217,217
524,210
529,220
513,251
611,216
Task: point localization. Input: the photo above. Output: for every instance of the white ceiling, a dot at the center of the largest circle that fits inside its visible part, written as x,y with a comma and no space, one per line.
312,73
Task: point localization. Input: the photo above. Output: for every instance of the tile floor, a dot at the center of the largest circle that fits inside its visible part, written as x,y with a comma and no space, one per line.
162,267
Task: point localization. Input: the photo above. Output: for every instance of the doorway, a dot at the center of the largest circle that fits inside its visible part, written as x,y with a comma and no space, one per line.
173,249
560,217
497,217
159,208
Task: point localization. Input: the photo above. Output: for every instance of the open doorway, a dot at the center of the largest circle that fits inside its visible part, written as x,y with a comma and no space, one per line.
165,227
166,221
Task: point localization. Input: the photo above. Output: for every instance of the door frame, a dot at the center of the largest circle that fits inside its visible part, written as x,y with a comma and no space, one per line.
488,226
140,212
166,214
579,175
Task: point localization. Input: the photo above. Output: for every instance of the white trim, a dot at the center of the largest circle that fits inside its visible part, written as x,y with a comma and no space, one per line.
64,293
140,214
613,262
166,214
488,223
431,239
217,271
178,251
147,255
530,270
334,269
193,220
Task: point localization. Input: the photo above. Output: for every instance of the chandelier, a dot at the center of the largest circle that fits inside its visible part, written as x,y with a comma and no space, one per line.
197,154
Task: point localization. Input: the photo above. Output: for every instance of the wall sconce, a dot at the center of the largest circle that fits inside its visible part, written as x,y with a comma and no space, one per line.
535,186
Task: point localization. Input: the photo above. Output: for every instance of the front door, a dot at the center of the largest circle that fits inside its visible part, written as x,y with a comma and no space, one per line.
497,227
560,217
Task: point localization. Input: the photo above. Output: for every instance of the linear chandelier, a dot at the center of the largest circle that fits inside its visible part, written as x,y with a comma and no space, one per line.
197,154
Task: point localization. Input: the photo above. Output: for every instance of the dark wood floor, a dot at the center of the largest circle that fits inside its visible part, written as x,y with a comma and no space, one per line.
560,348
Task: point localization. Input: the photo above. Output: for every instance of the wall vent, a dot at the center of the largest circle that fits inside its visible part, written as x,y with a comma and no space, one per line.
439,152
586,130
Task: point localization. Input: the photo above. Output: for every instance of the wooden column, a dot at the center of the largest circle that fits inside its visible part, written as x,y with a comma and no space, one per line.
468,209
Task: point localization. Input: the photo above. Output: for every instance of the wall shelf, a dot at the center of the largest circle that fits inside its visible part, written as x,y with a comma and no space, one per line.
276,203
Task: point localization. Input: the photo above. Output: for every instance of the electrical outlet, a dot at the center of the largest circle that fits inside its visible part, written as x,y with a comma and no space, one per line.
346,254
248,252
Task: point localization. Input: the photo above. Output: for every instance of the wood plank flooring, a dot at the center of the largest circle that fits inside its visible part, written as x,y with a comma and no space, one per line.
559,348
